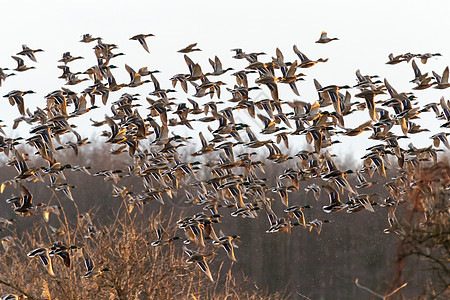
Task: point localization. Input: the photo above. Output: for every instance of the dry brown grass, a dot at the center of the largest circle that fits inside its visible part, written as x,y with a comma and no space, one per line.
425,225
137,270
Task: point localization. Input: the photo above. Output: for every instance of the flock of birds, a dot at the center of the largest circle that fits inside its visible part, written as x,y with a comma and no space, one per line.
223,173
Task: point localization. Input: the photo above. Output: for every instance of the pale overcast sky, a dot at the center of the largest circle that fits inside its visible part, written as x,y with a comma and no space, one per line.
368,32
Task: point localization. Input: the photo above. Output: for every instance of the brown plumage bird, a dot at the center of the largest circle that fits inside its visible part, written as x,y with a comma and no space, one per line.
325,39
189,48
29,52
195,257
141,39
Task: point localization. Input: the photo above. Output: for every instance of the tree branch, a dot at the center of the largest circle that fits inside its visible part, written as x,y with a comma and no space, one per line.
16,288
378,295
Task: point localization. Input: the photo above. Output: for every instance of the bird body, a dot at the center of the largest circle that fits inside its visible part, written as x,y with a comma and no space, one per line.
141,39
189,48
324,38
199,259
29,52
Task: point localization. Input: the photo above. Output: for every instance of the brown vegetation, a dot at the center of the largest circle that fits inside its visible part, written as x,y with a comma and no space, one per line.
135,269
424,226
